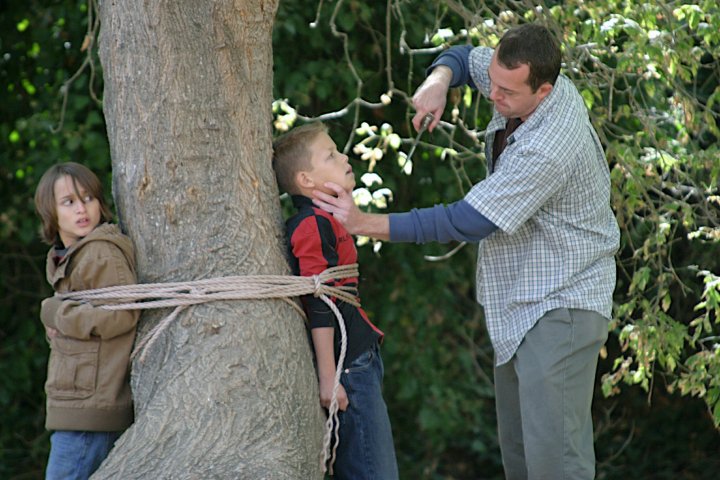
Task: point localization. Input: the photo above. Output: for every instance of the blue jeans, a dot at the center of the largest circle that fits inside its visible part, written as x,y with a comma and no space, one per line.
76,455
366,449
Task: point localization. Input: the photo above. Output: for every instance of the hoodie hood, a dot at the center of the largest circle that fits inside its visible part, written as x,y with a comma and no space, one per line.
105,232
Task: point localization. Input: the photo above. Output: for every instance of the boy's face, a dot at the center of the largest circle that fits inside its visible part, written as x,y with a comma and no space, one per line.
76,217
328,165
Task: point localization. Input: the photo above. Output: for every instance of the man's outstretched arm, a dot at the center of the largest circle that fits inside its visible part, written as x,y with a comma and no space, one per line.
458,221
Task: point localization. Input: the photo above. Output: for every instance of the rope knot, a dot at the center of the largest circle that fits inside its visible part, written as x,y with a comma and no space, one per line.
318,290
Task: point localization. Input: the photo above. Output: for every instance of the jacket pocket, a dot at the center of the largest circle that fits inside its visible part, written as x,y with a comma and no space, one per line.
72,370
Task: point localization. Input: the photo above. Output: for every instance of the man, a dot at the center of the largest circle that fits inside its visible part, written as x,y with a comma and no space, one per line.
546,269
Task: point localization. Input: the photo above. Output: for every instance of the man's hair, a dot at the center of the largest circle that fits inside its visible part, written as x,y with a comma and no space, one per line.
535,46
46,203
291,154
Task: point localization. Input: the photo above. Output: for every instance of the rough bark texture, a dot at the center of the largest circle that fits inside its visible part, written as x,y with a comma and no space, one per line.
229,390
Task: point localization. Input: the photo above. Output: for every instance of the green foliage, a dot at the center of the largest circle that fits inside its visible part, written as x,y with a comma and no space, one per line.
654,72
40,50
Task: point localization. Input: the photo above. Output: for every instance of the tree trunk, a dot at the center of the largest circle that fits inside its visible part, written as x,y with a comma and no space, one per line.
229,390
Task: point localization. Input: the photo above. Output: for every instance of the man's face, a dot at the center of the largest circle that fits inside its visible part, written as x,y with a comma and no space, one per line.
510,92
329,165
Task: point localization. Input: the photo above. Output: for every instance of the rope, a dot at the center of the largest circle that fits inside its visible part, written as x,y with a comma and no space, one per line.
334,407
181,295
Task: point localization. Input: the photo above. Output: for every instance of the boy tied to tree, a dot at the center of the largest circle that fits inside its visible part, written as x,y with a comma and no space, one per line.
89,403
304,159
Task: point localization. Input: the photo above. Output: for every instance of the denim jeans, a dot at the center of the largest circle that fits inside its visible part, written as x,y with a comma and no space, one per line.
366,449
76,455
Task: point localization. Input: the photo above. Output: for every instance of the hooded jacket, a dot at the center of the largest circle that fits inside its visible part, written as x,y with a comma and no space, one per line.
88,386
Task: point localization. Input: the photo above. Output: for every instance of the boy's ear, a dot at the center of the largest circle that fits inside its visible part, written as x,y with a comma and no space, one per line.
304,180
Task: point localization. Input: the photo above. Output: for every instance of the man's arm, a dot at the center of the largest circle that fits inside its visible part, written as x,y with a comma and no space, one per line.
458,221
456,58
450,69
442,223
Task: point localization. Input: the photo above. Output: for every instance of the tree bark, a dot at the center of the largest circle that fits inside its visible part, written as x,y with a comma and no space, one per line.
229,390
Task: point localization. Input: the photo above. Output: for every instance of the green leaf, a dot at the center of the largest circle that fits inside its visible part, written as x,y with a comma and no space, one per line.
22,25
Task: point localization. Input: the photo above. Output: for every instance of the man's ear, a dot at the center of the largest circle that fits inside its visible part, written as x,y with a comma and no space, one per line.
544,90
304,180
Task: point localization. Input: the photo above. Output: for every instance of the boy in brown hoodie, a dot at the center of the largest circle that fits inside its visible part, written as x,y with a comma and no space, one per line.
88,391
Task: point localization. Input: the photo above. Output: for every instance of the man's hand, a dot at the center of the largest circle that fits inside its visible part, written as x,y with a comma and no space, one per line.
342,206
326,389
431,97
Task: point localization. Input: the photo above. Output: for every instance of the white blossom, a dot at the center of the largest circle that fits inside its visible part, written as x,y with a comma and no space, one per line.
362,197
360,149
377,246
394,140
369,179
381,197
362,240
366,129
405,165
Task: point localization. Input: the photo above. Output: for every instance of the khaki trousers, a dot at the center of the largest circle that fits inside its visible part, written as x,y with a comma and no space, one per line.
544,395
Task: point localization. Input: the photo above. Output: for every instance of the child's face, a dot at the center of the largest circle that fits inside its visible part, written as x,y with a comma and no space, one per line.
329,165
77,217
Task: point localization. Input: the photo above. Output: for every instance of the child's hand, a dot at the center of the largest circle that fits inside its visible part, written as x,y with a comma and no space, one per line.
326,389
51,332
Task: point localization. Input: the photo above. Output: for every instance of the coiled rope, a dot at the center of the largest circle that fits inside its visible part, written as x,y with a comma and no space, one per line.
144,296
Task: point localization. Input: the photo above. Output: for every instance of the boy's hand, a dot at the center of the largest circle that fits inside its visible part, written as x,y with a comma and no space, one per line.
326,390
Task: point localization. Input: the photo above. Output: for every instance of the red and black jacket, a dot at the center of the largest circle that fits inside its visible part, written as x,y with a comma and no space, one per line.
316,242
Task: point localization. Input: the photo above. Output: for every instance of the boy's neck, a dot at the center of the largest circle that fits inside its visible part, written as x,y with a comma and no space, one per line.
305,192
308,192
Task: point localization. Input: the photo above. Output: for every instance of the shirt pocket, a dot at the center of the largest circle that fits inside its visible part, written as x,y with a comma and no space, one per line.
73,367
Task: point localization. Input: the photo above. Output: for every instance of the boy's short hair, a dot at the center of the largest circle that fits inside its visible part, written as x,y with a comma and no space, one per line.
292,155
45,202
534,45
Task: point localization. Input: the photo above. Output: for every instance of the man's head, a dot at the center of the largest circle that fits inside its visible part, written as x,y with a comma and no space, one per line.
306,157
523,70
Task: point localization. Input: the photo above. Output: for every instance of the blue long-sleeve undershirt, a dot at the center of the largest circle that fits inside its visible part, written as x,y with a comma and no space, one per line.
457,221
456,58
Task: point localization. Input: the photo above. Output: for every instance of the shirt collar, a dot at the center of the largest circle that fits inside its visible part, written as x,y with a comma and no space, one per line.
301,201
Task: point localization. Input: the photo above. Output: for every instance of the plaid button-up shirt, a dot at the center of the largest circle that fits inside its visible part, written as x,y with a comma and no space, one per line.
549,195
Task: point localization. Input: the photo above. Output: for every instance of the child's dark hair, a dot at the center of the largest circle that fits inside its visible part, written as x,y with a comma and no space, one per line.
45,202
535,46
291,154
